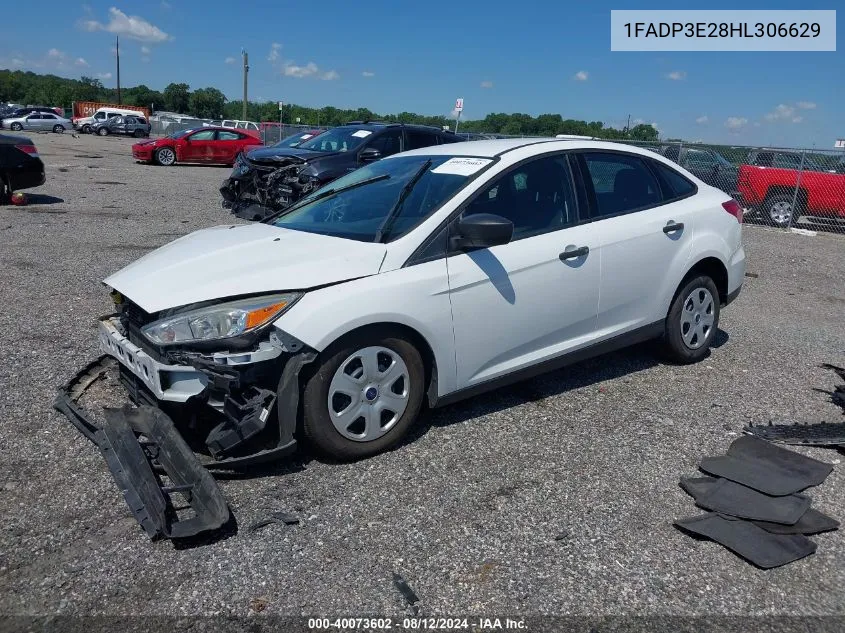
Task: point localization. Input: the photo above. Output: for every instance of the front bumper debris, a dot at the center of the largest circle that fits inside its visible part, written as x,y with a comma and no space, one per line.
264,189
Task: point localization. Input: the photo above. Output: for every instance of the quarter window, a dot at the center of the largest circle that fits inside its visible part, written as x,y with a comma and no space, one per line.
537,197
622,183
674,184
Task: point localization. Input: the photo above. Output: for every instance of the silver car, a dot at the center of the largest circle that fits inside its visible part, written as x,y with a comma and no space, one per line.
39,121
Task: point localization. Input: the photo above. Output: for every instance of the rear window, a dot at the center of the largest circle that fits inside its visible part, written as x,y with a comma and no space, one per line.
675,186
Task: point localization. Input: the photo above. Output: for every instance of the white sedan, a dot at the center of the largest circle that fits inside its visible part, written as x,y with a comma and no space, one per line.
421,279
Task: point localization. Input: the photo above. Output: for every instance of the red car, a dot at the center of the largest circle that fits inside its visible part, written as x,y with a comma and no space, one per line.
198,145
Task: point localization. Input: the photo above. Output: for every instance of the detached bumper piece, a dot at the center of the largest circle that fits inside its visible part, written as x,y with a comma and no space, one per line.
755,511
134,443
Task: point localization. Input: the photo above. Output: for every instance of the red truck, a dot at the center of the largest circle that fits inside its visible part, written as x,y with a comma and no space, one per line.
771,191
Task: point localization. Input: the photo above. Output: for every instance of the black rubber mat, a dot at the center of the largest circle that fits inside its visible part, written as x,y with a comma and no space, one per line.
771,469
811,522
752,543
728,497
821,434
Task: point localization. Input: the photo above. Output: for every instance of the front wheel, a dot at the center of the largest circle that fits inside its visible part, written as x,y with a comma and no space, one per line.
103,131
692,321
364,396
86,129
165,156
778,211
17,127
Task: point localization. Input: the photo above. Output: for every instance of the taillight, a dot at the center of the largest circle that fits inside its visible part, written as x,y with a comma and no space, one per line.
734,208
28,149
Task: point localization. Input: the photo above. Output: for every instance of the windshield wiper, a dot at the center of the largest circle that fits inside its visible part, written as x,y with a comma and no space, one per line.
325,194
389,221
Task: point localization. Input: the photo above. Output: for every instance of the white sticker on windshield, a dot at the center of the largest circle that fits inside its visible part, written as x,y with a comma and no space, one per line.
362,133
305,137
462,166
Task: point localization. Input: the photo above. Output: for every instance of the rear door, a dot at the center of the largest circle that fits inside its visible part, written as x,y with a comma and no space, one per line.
227,145
535,298
414,138
643,225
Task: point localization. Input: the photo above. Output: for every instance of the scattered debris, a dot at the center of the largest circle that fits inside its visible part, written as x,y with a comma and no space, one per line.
405,589
752,275
562,535
806,232
18,199
282,518
259,604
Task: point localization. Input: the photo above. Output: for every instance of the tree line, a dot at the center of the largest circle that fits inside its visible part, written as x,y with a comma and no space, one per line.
210,103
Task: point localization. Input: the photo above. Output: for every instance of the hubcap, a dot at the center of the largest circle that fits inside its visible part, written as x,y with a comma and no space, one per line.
166,156
780,212
368,394
697,318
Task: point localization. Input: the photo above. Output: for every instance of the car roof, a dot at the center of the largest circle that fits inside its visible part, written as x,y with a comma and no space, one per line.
495,147
380,125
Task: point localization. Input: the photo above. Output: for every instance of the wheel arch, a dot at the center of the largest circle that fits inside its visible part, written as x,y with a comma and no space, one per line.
781,190
714,268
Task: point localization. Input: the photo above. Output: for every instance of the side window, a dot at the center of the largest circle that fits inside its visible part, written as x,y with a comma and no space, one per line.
205,135
622,183
141,120
452,138
787,161
117,119
698,158
387,143
227,136
537,197
100,116
48,116
33,117
675,186
418,138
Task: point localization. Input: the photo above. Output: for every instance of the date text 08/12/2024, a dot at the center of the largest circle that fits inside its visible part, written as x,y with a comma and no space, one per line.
416,624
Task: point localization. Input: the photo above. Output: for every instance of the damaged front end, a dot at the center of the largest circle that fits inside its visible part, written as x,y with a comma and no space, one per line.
195,410
257,189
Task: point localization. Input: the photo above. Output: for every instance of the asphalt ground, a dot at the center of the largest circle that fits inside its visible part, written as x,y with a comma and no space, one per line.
555,496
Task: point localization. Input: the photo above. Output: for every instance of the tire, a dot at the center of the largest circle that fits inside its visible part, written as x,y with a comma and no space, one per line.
693,321
59,129
777,211
341,384
5,192
16,127
86,129
165,156
138,134
103,131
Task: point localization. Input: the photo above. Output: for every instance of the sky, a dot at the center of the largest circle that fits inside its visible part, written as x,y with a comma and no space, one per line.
532,57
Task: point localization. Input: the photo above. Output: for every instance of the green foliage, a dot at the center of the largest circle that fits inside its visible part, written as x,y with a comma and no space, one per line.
29,88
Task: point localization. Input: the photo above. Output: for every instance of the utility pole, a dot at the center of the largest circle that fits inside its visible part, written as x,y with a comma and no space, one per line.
117,54
246,72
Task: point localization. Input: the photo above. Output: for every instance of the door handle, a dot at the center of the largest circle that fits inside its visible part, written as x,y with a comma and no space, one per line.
574,253
673,226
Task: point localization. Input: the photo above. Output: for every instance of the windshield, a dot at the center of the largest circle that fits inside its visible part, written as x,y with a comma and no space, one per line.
340,139
180,133
363,212
722,160
295,139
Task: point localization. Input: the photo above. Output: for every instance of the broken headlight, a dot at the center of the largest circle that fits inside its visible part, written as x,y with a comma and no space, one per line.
220,321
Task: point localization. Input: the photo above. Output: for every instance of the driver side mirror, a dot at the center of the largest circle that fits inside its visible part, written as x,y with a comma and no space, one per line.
482,230
369,154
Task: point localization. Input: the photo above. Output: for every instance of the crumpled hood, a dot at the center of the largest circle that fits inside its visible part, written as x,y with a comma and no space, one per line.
227,261
271,154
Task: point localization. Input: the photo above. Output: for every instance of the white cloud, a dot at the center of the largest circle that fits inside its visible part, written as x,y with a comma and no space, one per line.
486,84
104,75
145,50
17,62
367,73
130,26
80,61
797,119
806,105
309,70
702,119
677,75
735,122
275,47
230,60
453,114
781,112
581,75
165,5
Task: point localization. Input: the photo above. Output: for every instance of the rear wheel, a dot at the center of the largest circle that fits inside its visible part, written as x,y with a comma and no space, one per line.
692,321
778,210
103,131
364,396
165,156
86,129
138,133
59,129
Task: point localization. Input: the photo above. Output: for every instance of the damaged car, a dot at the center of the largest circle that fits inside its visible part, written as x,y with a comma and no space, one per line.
415,281
268,180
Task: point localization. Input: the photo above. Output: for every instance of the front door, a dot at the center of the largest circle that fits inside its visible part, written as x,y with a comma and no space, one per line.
534,298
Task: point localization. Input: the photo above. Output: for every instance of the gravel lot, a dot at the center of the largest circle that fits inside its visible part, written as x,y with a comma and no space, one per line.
467,510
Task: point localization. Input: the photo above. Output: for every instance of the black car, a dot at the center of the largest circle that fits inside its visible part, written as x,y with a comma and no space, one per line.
136,126
20,166
708,165
269,179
